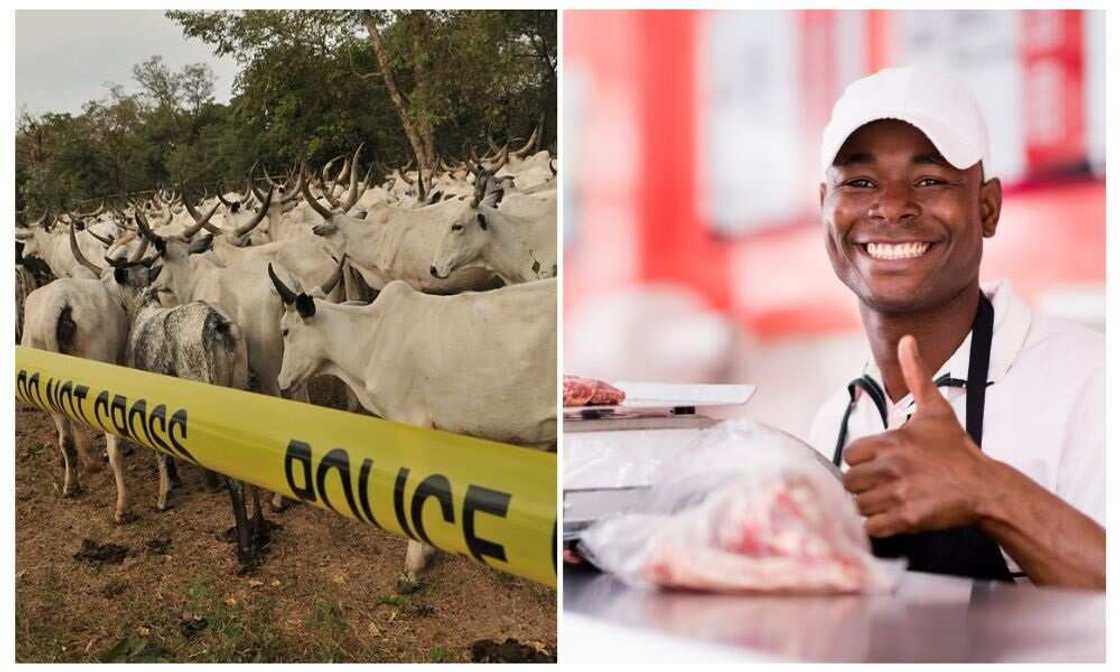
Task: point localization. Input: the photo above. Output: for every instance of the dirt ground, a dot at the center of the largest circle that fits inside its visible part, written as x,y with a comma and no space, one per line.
327,590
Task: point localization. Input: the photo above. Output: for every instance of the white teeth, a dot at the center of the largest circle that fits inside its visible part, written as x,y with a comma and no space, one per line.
900,251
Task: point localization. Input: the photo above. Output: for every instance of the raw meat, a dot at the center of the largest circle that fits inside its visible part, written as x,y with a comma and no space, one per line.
588,392
779,539
743,508
606,395
578,391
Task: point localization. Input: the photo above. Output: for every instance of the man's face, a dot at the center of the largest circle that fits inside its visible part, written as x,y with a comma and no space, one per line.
903,227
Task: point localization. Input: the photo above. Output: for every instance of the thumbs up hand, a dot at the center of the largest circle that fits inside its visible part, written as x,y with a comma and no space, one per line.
926,475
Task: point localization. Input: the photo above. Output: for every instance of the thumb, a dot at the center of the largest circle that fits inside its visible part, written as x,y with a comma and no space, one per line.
918,378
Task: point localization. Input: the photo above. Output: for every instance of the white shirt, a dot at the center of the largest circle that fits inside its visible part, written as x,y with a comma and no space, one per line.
1044,408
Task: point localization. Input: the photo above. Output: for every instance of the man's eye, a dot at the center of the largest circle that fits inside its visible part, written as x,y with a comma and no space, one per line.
929,182
859,183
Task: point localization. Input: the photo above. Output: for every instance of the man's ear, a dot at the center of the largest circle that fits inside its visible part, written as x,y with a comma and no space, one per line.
305,305
991,202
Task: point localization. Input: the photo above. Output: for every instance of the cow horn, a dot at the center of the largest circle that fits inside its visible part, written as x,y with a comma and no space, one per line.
142,224
408,165
101,239
98,211
352,195
132,260
315,204
366,180
140,250
286,295
249,184
77,252
325,174
23,233
344,172
190,231
253,186
261,212
520,153
552,166
222,198
332,282
292,193
503,157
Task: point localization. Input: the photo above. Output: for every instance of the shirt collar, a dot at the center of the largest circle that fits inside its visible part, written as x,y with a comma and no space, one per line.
1009,333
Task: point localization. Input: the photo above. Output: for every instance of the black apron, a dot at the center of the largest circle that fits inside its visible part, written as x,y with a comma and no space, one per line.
959,551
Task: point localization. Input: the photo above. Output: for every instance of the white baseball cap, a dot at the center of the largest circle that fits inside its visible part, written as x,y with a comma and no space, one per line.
940,106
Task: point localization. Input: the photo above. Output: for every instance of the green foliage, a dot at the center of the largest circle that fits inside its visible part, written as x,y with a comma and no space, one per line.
309,87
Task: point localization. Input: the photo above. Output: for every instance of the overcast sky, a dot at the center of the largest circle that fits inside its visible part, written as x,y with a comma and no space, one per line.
65,58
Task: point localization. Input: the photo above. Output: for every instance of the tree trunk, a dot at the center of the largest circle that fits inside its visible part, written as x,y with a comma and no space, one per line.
411,130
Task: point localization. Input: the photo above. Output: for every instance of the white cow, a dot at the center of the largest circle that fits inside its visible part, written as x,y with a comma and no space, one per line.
477,363
397,244
483,235
87,318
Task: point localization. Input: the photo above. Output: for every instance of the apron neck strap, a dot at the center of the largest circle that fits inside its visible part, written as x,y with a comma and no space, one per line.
979,356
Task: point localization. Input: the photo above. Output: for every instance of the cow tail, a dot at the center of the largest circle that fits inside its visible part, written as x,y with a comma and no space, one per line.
231,360
61,337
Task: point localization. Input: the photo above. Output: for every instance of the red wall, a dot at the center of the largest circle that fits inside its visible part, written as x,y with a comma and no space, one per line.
778,283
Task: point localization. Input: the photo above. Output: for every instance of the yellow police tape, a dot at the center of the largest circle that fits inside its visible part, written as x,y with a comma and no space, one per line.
490,501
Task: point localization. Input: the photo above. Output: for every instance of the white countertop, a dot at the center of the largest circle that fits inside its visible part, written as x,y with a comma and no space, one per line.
928,619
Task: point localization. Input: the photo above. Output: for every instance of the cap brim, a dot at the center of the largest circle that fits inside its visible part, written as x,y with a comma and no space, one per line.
949,143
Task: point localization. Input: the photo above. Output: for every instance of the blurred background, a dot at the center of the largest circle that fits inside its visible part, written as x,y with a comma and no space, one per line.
693,245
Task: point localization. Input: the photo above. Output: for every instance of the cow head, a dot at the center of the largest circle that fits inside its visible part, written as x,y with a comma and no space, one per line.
469,231
302,337
35,237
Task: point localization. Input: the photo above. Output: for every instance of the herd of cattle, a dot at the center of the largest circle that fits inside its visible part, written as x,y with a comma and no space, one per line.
435,306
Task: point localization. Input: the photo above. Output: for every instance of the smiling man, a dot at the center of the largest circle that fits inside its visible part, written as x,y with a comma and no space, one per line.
973,439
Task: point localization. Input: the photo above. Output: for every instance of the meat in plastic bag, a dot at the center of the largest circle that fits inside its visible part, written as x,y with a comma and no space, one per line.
743,508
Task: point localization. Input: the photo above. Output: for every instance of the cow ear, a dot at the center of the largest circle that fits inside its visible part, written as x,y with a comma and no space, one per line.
305,305
120,275
482,221
199,245
153,273
161,246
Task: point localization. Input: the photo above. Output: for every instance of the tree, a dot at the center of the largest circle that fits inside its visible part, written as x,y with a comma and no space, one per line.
311,86
449,77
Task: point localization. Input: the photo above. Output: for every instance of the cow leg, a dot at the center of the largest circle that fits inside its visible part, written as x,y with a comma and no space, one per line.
245,553
113,446
88,460
213,483
173,472
352,403
258,524
70,483
416,558
298,393
164,462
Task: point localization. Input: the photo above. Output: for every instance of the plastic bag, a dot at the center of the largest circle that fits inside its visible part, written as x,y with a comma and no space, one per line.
743,508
